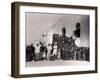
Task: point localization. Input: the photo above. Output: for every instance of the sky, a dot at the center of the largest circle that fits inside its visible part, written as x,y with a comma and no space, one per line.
37,24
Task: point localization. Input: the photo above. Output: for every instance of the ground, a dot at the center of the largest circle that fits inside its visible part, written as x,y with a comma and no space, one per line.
55,63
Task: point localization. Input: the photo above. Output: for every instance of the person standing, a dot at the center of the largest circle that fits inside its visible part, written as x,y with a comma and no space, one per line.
33,50
29,53
55,50
37,51
49,48
45,52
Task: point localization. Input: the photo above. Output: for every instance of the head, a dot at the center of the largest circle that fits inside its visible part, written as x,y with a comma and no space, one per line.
78,25
37,44
49,44
55,43
40,43
31,44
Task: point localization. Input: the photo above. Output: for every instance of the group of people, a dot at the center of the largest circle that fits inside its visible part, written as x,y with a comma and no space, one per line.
41,51
54,52
69,50
62,47
78,53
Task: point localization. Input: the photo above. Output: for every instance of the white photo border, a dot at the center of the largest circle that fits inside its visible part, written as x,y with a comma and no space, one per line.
54,69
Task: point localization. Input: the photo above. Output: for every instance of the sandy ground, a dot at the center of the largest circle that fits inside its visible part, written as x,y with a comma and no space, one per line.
55,63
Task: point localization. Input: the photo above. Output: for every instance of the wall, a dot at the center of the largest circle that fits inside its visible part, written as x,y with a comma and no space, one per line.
5,40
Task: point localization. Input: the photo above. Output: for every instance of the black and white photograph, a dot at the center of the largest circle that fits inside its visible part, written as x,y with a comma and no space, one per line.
56,39
52,39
